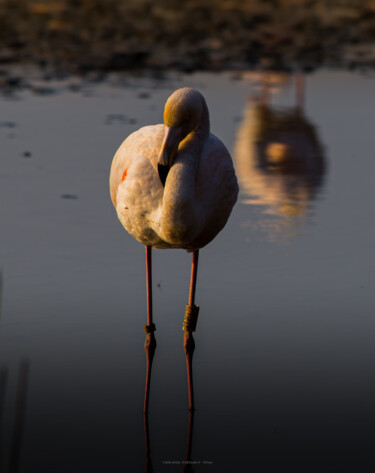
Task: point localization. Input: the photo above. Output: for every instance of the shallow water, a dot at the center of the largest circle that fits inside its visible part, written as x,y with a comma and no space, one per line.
284,357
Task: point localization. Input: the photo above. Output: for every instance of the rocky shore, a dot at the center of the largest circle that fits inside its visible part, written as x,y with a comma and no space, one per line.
81,36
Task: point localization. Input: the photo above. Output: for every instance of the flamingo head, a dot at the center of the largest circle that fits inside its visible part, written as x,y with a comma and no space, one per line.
182,115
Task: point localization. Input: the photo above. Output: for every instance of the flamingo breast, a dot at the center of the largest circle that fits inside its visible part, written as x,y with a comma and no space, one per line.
138,194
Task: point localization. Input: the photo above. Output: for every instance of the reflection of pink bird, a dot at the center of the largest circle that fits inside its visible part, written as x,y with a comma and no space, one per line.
174,186
278,154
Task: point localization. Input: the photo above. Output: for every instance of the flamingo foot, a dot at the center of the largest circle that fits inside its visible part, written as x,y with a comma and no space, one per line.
150,347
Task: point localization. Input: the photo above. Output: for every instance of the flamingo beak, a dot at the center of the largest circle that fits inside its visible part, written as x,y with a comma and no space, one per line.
168,151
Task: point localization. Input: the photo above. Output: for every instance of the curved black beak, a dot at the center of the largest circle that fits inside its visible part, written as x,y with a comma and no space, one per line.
168,151
163,171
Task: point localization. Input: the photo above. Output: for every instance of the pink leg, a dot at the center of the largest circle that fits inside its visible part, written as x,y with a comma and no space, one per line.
299,80
150,343
264,91
190,321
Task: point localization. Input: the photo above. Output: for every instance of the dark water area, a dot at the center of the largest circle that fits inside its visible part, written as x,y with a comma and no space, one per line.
285,353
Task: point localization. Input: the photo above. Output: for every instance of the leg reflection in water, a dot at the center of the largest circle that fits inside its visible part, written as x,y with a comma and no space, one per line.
148,461
3,382
187,464
19,416
188,468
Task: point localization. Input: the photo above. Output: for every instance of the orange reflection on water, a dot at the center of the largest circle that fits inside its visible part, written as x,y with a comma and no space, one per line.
279,157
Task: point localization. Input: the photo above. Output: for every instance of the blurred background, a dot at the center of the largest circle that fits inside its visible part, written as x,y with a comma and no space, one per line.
78,36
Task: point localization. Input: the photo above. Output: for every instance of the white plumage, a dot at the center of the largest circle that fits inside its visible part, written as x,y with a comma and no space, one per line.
174,186
200,189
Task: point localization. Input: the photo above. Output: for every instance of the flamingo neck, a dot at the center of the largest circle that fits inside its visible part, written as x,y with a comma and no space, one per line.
179,213
190,148
204,126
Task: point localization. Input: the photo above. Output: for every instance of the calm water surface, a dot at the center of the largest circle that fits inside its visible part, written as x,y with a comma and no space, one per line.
285,355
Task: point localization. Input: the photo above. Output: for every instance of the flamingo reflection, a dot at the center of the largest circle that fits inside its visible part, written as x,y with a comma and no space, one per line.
19,414
278,154
188,468
20,407
148,460
3,382
187,463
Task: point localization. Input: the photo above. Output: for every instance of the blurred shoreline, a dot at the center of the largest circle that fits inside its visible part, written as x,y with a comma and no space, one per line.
64,37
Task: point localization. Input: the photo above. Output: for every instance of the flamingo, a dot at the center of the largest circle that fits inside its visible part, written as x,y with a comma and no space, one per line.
173,185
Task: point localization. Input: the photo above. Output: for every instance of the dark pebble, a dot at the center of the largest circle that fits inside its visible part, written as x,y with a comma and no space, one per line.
7,124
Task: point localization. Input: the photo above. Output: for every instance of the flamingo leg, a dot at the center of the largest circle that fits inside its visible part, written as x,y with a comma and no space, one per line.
299,80
189,326
264,91
150,343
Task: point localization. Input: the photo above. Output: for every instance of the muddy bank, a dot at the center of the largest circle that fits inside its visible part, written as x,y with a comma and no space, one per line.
79,36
